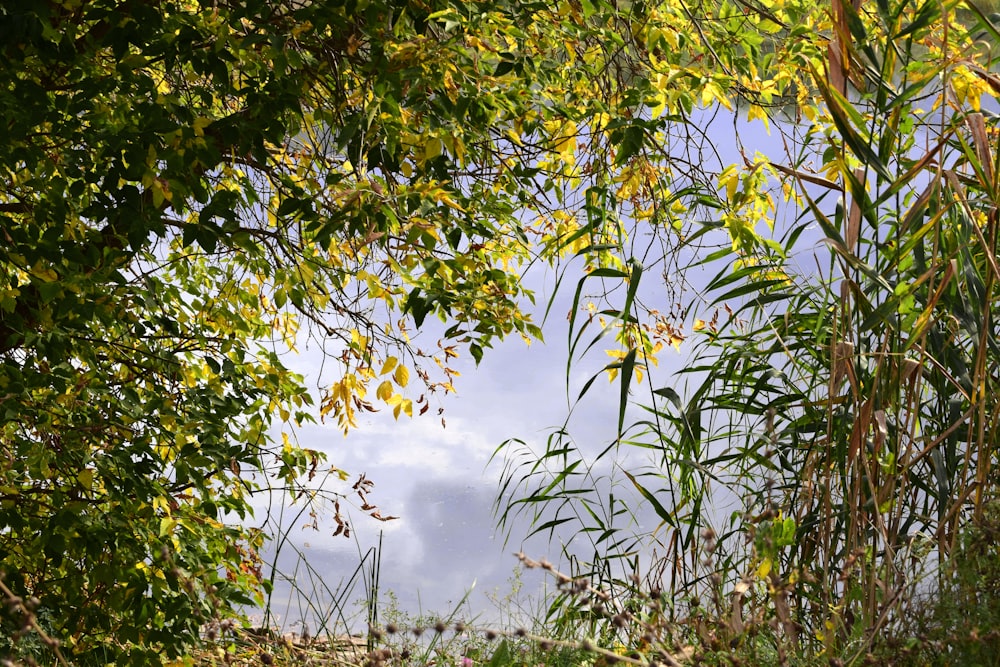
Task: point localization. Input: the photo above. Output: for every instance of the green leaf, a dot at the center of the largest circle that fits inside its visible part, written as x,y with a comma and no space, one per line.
627,366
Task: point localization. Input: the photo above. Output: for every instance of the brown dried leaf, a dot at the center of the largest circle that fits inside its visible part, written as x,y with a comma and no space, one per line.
980,139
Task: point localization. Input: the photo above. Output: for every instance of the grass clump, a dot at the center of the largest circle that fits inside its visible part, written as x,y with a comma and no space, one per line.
727,624
957,622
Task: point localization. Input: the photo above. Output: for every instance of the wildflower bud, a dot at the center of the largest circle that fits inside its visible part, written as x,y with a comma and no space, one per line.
440,627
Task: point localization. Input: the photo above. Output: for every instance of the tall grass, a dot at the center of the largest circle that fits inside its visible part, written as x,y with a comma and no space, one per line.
842,396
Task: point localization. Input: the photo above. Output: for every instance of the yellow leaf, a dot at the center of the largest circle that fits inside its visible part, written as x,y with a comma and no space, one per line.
86,478
764,568
160,503
384,391
658,105
44,273
455,146
769,26
699,325
200,124
968,87
432,148
712,92
305,273
445,199
730,179
566,143
756,112
161,193
166,525
401,376
401,405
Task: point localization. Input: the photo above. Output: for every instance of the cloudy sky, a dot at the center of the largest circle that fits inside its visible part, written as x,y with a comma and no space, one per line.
439,480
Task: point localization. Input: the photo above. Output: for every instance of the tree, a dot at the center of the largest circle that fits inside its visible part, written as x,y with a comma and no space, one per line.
185,185
188,188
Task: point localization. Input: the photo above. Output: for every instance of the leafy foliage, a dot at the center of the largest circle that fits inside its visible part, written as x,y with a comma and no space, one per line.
190,188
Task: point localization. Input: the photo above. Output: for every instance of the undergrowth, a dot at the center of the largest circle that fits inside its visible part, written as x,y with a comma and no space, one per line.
955,622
